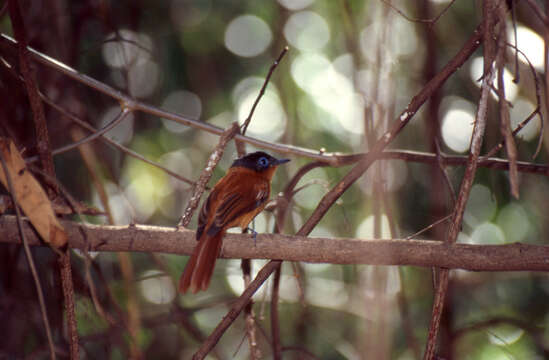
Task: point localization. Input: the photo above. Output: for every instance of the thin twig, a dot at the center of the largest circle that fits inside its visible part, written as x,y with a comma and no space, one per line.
117,120
65,269
255,352
538,11
90,128
537,110
41,128
467,50
132,104
467,182
206,174
236,309
275,321
244,126
431,22
332,159
505,120
357,171
246,265
439,221
442,168
120,147
46,159
28,254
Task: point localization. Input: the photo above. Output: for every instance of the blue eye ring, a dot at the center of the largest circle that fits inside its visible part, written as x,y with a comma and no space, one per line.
263,162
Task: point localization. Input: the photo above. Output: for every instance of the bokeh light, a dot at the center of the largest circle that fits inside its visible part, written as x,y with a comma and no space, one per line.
123,48
307,68
457,124
189,13
313,185
143,78
332,104
184,103
481,206
366,228
122,133
476,71
487,234
156,287
307,31
269,119
394,174
531,44
504,335
394,45
521,109
295,4
515,222
247,36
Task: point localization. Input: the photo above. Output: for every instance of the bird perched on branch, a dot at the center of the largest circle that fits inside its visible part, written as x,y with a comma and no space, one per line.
234,201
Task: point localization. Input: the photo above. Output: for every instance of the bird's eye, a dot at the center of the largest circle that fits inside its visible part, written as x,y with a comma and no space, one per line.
263,161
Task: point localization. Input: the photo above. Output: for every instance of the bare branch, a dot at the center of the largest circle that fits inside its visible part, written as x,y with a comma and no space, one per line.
143,238
42,136
244,126
200,186
470,170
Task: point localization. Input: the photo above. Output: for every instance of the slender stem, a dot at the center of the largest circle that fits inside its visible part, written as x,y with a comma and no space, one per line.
28,255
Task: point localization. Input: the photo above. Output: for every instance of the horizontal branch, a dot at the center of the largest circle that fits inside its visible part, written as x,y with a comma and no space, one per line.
142,238
333,159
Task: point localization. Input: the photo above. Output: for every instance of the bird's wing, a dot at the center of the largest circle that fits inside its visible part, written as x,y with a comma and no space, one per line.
242,199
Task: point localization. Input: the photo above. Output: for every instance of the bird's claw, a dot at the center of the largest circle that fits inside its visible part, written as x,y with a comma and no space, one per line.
254,234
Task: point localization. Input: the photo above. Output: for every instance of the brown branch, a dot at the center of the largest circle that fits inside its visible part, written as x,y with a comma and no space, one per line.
90,128
334,159
275,321
142,238
331,159
273,67
64,262
42,137
100,132
505,120
236,308
328,200
45,154
120,147
200,185
431,22
538,11
467,182
255,352
466,51
545,65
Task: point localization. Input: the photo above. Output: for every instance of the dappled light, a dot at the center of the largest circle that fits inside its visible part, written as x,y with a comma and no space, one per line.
274,180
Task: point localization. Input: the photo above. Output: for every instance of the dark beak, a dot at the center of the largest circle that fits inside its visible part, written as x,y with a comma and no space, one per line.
280,161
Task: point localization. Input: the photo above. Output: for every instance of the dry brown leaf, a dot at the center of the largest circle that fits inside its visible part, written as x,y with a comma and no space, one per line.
31,197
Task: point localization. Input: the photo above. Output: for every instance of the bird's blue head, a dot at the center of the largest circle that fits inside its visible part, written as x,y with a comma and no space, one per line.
258,161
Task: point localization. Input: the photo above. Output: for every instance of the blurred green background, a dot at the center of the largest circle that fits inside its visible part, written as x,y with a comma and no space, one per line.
352,67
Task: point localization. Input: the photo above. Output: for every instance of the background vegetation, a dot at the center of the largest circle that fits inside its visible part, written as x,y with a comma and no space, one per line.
351,69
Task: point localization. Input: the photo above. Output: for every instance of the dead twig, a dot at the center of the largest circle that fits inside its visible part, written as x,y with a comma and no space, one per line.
244,126
206,174
470,170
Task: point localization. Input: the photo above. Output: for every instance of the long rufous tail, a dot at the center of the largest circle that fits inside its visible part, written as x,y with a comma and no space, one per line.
199,269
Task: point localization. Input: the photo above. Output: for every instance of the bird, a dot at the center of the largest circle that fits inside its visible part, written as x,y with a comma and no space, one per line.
233,202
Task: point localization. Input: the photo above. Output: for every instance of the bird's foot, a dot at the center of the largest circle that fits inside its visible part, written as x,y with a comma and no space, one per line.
254,234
